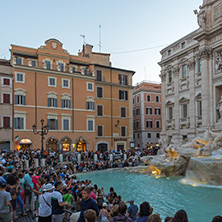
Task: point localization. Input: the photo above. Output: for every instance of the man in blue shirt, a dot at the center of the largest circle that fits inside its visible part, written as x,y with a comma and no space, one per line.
132,210
87,203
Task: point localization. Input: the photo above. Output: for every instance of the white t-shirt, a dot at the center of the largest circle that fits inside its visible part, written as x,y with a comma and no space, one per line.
45,209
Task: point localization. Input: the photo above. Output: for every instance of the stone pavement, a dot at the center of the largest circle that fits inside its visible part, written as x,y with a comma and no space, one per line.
27,218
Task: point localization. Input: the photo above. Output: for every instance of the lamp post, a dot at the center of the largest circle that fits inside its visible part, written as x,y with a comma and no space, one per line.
44,131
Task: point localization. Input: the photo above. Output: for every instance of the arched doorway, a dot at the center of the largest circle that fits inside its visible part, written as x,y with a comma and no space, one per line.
80,145
52,144
102,147
66,144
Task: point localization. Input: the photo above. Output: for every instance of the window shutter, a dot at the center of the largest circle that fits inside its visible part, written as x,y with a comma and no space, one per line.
93,106
56,124
24,100
69,103
126,82
48,102
62,103
21,123
16,123
48,123
16,99
55,102
126,95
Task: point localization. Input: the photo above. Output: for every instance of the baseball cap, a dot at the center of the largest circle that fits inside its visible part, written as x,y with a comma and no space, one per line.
2,182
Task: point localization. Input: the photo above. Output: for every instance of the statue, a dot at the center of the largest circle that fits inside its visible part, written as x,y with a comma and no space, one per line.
219,107
218,62
201,18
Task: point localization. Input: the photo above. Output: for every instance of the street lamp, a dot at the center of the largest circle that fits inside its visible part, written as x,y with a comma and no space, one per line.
44,131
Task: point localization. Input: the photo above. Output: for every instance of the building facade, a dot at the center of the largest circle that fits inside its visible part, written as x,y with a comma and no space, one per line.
6,105
146,113
191,74
81,98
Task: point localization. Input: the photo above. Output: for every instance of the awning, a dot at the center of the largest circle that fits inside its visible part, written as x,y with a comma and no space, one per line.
25,142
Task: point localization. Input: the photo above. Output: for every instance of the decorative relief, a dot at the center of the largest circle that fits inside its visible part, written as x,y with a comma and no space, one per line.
54,45
176,71
218,61
163,76
205,53
191,64
217,12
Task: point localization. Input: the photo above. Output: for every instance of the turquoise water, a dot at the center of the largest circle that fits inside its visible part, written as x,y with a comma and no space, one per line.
165,195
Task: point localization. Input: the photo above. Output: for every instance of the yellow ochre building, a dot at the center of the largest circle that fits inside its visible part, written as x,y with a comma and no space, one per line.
86,102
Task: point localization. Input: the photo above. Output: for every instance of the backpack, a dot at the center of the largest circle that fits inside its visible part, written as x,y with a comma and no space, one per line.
120,220
28,189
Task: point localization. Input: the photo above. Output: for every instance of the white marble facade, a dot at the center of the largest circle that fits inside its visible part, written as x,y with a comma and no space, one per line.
191,75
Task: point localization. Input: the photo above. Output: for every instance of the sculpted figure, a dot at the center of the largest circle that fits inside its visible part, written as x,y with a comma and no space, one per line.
219,107
201,18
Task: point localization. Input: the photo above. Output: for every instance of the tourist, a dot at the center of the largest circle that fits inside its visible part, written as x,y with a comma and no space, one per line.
145,212
132,210
29,187
217,219
90,215
5,204
45,206
154,218
12,189
58,203
121,216
103,213
168,219
180,216
87,203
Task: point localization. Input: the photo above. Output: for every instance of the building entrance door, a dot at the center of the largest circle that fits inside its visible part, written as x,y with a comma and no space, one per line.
102,147
120,147
52,145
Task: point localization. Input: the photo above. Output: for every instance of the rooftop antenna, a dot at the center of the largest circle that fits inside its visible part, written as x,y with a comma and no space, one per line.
84,43
84,39
100,43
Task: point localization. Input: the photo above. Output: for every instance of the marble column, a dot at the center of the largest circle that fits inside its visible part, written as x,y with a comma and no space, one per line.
205,54
177,72
192,105
163,99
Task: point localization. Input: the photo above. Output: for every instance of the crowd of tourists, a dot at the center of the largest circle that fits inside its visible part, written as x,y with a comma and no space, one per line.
74,161
54,194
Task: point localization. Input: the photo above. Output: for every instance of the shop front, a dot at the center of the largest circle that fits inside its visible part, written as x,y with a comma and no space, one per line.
66,144
24,144
52,144
81,145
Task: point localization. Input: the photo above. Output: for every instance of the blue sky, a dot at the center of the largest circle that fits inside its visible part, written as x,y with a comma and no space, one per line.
127,26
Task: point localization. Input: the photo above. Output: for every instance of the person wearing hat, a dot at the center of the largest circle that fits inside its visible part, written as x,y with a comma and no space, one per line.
45,206
5,205
132,210
104,214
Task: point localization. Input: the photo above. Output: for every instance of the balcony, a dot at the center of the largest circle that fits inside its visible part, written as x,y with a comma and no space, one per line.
198,121
170,124
185,122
